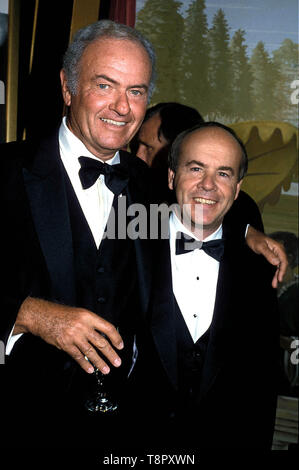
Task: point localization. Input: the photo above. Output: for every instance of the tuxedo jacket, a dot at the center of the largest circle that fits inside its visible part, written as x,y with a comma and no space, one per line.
236,403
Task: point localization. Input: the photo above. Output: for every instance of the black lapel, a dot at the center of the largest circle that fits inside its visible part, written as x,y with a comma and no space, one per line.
137,191
222,321
162,311
44,183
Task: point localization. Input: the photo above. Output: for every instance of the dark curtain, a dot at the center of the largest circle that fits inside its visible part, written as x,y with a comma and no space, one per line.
123,12
40,103
3,70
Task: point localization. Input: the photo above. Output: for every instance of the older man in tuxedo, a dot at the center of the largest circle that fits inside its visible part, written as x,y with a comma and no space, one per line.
71,294
213,313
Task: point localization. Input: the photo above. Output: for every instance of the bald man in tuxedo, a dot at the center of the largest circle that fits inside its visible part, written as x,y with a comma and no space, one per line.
211,379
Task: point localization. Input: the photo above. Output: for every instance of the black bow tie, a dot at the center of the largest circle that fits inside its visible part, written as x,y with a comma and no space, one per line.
185,244
116,176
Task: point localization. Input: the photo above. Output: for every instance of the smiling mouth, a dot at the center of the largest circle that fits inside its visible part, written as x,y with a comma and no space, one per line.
115,123
204,201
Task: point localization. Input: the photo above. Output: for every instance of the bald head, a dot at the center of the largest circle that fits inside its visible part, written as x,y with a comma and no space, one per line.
209,133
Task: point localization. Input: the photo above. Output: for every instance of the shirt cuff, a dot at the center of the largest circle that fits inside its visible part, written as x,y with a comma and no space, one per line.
246,230
12,341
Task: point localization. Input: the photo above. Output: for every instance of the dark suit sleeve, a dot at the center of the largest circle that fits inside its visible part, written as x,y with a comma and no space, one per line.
16,252
261,350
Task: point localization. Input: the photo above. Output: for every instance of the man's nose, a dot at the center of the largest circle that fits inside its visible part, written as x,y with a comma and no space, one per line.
121,104
207,182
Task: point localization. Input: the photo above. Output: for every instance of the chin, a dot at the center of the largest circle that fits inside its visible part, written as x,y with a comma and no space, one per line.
114,146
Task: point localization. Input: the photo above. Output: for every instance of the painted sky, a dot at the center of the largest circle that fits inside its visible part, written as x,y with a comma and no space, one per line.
3,6
270,21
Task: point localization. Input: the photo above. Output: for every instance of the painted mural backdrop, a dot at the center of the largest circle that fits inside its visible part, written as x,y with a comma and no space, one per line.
211,57
237,62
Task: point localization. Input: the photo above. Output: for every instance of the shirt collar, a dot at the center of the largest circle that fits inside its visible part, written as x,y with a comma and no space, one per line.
175,225
73,147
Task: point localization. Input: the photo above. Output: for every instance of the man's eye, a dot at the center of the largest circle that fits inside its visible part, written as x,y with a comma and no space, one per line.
136,92
195,168
223,174
103,86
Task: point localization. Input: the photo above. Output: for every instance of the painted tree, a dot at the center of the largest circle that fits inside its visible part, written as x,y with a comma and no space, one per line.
241,77
162,24
195,59
220,72
285,59
266,102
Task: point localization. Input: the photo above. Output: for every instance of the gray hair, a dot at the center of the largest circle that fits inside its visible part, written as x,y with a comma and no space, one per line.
95,31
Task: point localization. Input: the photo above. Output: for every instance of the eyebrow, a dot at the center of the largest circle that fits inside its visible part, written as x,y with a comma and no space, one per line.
223,168
115,82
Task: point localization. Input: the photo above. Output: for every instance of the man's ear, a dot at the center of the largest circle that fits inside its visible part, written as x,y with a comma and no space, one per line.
67,97
171,175
238,188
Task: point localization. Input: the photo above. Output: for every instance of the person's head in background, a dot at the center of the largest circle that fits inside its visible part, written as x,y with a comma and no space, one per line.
161,124
290,243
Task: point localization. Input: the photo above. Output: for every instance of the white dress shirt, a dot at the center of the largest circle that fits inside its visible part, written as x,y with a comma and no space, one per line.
194,279
71,148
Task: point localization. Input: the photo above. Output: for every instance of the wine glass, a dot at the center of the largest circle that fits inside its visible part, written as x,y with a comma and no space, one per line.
99,400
